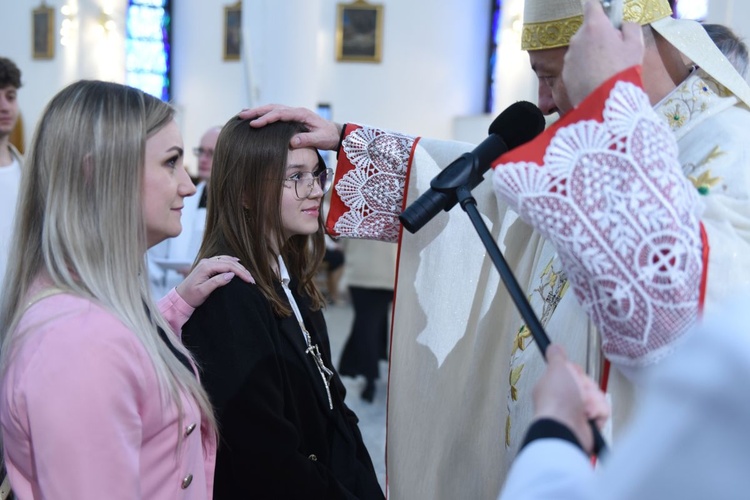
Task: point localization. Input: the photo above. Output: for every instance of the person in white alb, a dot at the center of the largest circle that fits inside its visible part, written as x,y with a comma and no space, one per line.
11,160
649,247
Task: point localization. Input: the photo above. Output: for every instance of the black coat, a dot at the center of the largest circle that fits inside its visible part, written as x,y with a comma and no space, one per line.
278,437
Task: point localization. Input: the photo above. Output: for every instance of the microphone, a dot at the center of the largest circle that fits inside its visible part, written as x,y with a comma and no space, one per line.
517,124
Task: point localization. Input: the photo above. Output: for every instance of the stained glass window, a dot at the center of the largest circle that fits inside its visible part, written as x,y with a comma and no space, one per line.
147,47
489,99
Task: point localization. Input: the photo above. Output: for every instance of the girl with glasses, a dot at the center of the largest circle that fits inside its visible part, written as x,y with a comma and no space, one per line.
285,429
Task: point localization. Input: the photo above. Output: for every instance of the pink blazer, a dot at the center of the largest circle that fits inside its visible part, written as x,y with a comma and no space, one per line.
82,416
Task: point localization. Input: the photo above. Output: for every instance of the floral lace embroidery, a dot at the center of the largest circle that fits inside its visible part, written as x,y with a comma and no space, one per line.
373,191
613,200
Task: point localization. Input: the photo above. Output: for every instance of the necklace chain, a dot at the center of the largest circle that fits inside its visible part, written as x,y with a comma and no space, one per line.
312,349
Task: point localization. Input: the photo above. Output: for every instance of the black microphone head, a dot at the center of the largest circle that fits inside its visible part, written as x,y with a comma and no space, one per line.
518,123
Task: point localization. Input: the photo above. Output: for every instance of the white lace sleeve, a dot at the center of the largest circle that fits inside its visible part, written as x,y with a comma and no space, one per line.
372,190
613,200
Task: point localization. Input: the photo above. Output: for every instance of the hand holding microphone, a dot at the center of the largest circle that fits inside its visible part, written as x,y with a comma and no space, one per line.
564,393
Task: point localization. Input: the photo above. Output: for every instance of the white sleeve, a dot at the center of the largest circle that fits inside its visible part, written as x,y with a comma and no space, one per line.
547,469
613,200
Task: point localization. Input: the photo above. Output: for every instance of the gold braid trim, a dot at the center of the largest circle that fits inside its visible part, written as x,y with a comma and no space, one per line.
549,34
646,11
557,32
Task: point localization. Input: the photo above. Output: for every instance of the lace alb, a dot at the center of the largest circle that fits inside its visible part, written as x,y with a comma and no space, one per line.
612,199
373,190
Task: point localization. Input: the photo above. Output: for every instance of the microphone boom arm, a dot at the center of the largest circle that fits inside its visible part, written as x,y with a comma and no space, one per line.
469,205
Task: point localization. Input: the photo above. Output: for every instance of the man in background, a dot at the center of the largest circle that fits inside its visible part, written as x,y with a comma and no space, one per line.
170,261
731,45
461,357
10,159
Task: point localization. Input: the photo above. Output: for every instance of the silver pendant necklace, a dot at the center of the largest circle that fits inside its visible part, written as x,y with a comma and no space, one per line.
312,349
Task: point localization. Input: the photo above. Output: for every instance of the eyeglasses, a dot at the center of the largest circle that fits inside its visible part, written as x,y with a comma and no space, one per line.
203,151
305,181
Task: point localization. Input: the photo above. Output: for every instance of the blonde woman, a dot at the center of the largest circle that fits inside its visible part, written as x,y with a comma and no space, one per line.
99,397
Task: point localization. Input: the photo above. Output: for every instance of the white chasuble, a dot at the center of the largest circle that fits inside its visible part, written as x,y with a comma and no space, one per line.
462,364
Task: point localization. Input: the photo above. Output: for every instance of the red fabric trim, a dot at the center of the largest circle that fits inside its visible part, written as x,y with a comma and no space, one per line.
343,166
704,277
395,299
591,108
604,380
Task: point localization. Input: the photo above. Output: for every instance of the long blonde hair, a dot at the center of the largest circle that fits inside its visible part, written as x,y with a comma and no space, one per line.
80,221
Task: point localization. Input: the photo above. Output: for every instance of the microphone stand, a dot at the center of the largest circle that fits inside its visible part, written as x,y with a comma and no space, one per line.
469,205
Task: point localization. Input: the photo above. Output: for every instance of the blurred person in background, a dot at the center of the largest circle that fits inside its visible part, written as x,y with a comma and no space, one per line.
731,45
11,160
370,274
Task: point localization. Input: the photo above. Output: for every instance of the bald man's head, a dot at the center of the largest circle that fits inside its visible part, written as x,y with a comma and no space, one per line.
205,153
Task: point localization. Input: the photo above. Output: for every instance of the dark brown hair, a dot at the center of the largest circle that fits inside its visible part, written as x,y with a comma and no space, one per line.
9,74
244,209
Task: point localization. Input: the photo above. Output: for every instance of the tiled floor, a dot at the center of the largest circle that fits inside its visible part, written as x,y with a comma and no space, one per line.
371,415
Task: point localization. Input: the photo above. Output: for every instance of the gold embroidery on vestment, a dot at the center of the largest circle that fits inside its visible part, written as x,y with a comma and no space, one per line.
552,287
551,34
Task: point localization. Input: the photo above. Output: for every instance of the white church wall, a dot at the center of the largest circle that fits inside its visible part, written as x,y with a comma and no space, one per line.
430,78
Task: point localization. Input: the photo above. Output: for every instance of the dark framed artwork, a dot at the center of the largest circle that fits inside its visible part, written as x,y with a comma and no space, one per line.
43,32
232,32
359,32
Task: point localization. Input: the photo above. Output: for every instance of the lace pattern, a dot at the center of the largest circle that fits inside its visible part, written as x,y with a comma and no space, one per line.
373,190
613,200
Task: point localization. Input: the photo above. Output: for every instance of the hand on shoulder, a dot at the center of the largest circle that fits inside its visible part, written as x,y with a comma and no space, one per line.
210,274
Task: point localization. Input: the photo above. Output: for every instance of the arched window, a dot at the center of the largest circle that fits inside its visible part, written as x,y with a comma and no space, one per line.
489,99
147,47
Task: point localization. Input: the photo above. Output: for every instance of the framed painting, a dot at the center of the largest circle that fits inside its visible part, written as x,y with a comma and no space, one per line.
43,32
232,32
359,32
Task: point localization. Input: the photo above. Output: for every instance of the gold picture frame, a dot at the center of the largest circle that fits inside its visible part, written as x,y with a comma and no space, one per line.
43,32
359,32
232,32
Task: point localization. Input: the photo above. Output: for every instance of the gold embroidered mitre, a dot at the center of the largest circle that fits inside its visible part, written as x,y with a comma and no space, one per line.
548,24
